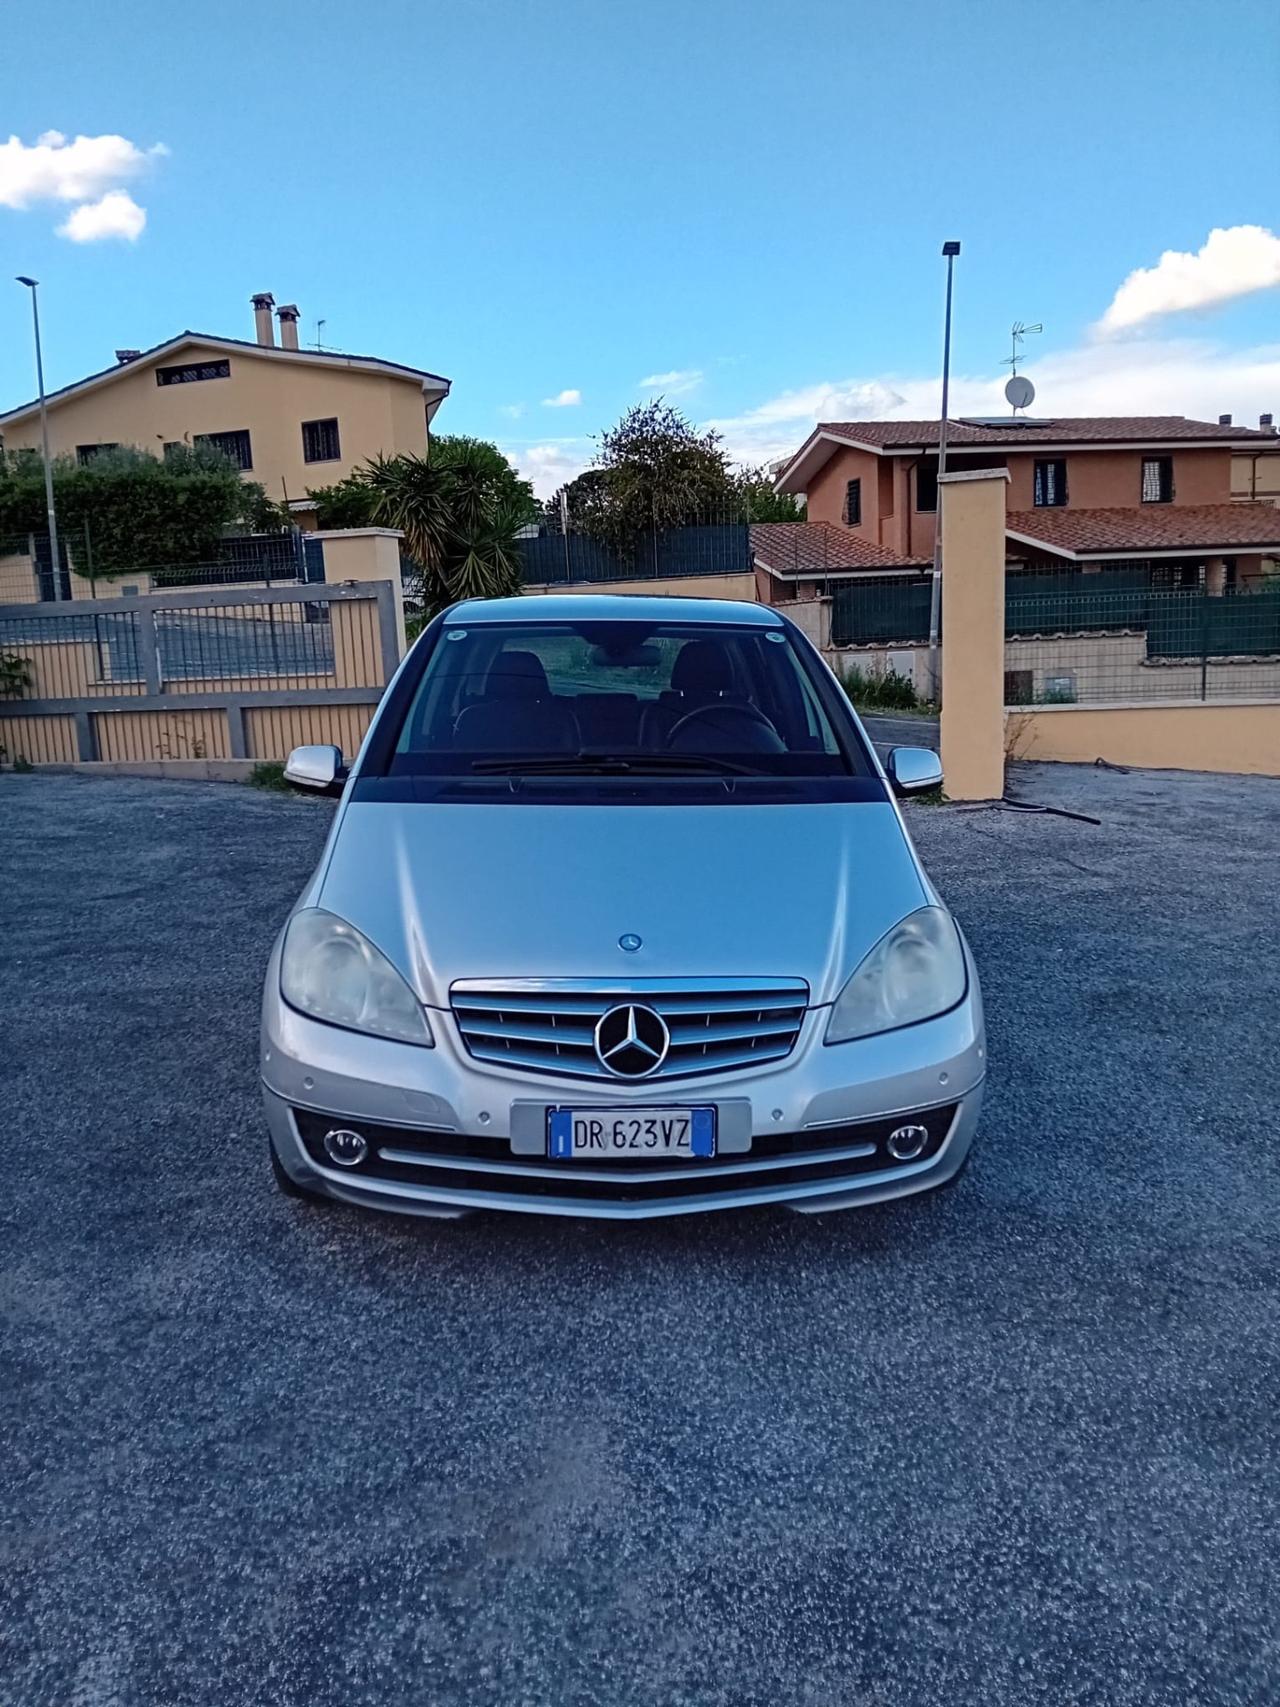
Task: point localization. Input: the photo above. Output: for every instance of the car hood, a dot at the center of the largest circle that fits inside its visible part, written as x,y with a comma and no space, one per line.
460,891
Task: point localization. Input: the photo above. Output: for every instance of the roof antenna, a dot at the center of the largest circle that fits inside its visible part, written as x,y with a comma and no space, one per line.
320,326
1019,391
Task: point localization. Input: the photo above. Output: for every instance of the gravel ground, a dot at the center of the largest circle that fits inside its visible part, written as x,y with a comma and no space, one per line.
1014,1445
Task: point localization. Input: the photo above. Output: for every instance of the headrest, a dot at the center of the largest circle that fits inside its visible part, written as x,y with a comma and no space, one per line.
517,675
702,668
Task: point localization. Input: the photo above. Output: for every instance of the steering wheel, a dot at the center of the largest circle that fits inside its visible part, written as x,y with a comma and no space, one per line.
748,714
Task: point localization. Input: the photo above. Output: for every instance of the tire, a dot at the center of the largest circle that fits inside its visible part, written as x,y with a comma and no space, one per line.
289,1187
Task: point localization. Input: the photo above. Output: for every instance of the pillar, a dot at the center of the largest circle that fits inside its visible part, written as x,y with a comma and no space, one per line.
973,561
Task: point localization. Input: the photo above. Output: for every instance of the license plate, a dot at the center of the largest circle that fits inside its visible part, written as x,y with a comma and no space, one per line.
596,1134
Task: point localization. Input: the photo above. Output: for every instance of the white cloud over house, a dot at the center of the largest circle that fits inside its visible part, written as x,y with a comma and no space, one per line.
114,215
678,382
1233,261
550,464
1166,376
87,170
562,400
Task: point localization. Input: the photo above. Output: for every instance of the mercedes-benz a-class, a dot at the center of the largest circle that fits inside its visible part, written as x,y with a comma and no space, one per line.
618,916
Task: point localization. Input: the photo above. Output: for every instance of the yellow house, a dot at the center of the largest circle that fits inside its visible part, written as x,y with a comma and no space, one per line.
292,418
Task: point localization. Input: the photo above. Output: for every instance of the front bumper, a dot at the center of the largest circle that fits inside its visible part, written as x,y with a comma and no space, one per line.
439,1123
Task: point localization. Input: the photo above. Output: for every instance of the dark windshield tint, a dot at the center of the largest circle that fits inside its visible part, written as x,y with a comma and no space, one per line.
668,697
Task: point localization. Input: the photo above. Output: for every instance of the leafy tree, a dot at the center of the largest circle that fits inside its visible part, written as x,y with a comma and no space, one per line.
759,500
479,461
136,511
659,472
346,504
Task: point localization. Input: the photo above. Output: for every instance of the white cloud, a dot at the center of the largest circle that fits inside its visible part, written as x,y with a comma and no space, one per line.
673,384
550,464
1193,377
115,215
1234,261
562,400
88,170
512,411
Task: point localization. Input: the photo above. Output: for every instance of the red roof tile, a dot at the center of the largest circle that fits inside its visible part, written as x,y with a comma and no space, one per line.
1151,527
821,547
1022,434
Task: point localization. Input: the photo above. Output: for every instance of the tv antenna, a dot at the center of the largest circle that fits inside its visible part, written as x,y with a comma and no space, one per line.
1019,391
320,326
1017,332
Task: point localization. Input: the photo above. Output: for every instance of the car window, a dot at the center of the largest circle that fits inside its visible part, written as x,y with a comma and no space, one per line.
693,696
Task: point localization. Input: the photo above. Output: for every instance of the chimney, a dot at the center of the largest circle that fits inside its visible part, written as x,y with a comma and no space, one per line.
288,314
123,356
1224,420
1266,423
264,331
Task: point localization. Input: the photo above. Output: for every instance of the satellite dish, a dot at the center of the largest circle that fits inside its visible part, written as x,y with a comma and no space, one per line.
1019,392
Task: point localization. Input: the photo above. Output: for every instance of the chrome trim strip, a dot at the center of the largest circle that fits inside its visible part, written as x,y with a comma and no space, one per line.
758,1164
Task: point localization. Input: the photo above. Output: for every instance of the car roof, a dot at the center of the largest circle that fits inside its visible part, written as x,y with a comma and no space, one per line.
612,607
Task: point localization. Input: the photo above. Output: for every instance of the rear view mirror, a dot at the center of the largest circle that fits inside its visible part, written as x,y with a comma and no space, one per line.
628,658
319,769
913,770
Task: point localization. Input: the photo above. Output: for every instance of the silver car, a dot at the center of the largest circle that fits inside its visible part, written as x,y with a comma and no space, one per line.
618,917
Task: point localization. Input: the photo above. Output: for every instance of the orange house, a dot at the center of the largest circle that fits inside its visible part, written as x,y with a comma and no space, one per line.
1081,490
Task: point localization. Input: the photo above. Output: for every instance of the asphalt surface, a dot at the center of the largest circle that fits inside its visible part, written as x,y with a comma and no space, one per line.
1017,1444
906,730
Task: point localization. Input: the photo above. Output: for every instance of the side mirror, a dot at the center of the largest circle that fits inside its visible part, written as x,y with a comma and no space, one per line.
913,770
318,768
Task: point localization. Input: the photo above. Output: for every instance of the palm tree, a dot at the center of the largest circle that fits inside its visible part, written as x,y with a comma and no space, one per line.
458,518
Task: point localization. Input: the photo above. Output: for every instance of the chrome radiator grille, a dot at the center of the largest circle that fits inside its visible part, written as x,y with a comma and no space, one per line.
550,1028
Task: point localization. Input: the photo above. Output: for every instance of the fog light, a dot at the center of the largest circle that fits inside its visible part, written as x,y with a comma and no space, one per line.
905,1142
348,1149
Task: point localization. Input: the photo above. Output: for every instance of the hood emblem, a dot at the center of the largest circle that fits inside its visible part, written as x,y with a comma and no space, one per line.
632,1041
629,943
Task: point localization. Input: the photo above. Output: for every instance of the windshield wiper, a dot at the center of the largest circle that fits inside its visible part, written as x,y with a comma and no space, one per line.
614,764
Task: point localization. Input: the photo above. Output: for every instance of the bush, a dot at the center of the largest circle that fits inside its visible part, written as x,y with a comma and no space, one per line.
15,675
880,690
269,773
136,511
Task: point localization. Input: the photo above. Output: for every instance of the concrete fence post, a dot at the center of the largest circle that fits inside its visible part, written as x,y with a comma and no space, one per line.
973,562
369,554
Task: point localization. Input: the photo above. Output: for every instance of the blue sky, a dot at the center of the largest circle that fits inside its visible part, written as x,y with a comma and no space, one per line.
539,200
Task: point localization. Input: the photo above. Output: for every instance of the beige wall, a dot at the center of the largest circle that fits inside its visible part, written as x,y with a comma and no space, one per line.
268,394
1238,739
1114,667
39,740
273,731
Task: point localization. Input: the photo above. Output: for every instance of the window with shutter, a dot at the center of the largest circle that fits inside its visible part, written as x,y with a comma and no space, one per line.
235,446
853,503
320,441
1051,484
1157,480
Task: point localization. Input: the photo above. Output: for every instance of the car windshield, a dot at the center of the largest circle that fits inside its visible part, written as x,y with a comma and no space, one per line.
621,697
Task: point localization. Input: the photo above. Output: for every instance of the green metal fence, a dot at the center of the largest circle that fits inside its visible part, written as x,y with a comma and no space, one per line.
1089,643
880,610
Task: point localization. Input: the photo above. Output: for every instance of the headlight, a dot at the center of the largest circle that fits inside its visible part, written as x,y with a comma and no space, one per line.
328,970
915,971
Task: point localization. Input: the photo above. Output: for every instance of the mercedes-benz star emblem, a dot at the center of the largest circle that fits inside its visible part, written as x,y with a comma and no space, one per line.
632,1041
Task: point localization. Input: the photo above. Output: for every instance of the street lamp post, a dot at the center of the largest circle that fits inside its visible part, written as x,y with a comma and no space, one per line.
31,285
950,250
